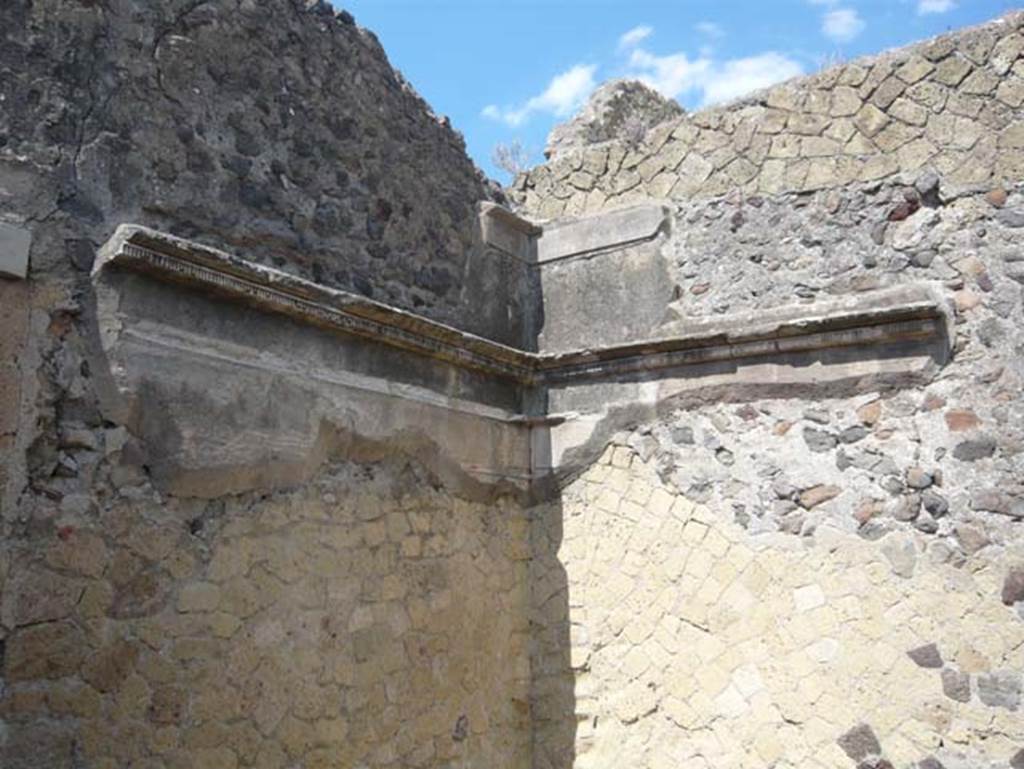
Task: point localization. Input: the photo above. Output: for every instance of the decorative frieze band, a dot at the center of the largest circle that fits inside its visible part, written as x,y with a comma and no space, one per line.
171,258
676,353
913,313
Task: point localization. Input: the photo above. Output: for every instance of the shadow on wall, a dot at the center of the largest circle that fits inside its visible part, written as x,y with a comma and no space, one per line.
565,710
553,707
366,617
553,677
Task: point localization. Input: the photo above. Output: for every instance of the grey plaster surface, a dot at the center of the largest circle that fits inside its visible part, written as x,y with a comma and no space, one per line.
571,237
15,242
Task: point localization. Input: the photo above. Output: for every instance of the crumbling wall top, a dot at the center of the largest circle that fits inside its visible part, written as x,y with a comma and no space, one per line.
952,104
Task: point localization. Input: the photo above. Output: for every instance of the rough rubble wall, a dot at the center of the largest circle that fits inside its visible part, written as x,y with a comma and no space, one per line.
878,523
368,619
965,429
696,643
953,103
265,128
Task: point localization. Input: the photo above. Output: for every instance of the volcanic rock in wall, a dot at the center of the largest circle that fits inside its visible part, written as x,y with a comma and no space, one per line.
276,129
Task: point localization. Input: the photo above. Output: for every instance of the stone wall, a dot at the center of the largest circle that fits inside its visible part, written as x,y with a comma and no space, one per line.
369,616
14,318
807,558
769,573
727,256
696,643
366,619
267,127
366,612
743,252
952,104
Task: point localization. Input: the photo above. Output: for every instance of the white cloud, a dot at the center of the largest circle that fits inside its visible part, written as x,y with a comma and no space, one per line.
701,77
672,75
563,95
934,6
709,29
741,76
677,74
635,36
843,24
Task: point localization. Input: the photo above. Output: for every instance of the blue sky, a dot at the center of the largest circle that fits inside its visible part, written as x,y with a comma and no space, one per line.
506,70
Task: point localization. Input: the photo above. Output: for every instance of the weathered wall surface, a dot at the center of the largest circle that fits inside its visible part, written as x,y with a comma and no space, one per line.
694,643
262,127
818,577
229,395
741,252
618,109
366,619
953,103
966,427
603,280
14,318
822,576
